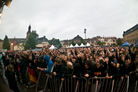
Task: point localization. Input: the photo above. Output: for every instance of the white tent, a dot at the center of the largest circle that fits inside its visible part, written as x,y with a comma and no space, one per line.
88,45
52,47
82,45
71,46
76,45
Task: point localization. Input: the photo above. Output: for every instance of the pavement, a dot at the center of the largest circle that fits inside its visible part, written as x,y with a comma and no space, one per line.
23,88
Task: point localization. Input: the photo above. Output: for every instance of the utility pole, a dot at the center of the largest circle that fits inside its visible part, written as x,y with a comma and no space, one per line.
85,32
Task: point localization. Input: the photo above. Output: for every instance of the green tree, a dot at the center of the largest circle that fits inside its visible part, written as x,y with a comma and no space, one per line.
73,43
32,40
6,44
82,41
119,42
55,42
100,43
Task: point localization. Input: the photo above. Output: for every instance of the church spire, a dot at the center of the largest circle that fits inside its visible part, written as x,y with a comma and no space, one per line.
29,29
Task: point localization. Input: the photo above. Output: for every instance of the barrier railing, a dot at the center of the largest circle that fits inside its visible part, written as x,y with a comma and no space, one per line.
41,81
49,83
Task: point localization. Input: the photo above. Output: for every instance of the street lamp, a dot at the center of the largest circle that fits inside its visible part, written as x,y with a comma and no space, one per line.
85,32
11,46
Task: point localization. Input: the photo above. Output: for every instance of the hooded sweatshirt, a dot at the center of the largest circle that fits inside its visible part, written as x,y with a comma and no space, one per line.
49,63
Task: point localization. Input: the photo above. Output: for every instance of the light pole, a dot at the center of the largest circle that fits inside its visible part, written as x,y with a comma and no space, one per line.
11,46
85,32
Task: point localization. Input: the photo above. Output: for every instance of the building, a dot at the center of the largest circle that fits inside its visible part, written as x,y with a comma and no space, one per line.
131,35
77,39
93,41
42,39
110,40
18,43
42,44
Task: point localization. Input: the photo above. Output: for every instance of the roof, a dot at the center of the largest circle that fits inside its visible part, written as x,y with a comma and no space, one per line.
42,39
77,38
19,40
109,37
134,28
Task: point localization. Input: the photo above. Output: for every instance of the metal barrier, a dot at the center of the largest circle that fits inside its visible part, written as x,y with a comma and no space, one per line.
44,79
69,84
41,81
136,86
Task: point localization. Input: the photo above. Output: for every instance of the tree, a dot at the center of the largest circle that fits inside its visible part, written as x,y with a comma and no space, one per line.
32,40
100,43
119,42
55,42
73,43
6,44
82,41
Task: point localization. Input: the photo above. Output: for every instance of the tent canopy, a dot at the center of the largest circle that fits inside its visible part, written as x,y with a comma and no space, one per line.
76,45
88,45
71,46
82,45
52,47
125,44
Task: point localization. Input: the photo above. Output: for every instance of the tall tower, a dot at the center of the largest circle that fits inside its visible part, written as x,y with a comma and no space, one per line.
28,33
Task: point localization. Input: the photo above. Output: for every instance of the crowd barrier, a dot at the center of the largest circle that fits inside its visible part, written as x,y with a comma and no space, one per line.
136,86
49,83
31,77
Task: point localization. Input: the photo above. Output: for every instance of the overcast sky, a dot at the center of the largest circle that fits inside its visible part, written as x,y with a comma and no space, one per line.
64,19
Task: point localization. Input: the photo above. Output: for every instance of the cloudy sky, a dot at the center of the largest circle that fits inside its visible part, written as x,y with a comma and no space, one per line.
64,19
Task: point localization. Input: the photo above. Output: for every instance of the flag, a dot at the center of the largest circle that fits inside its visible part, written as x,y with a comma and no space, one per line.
32,76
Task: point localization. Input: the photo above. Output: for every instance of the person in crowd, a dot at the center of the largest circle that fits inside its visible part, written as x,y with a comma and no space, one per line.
58,68
49,64
23,68
16,69
10,74
99,70
126,69
68,72
88,70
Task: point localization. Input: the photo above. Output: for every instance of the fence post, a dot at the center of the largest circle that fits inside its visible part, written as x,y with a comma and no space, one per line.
46,83
61,85
136,86
38,81
76,86
112,85
96,85
127,83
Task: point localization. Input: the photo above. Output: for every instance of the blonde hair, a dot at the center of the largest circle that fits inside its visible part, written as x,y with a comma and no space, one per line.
69,64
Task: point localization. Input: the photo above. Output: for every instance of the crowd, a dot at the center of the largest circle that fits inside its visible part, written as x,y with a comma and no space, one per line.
109,62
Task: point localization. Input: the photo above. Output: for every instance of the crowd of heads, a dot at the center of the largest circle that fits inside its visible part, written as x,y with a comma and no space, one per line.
78,62
109,62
